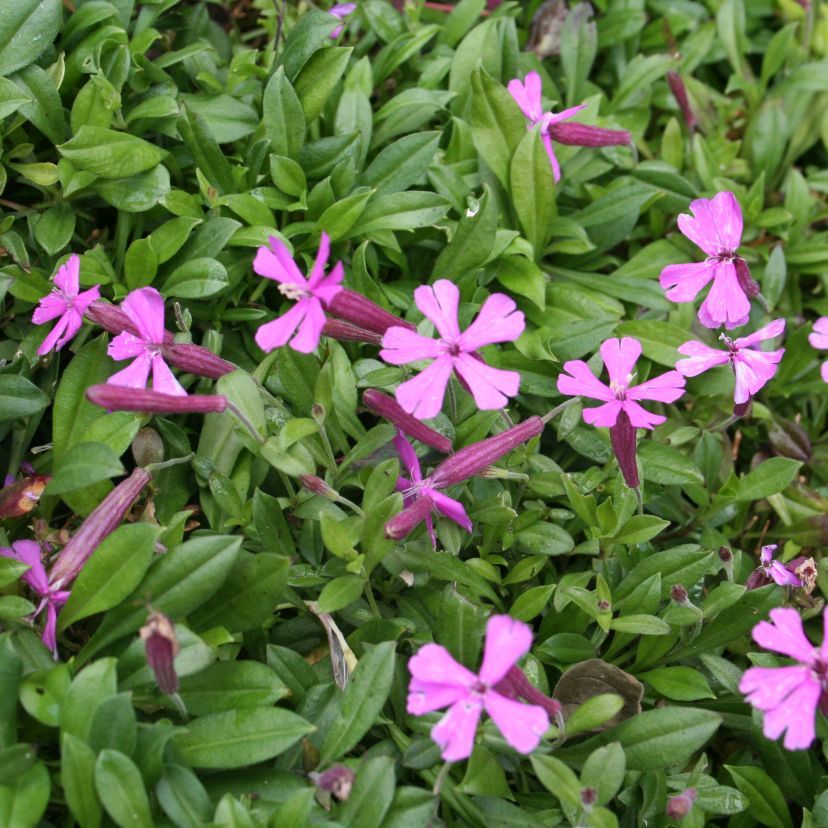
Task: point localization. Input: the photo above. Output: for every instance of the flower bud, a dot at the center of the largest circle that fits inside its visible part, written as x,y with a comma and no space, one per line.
112,319
622,437
346,332
318,486
392,411
678,593
679,806
679,90
355,308
583,135
476,458
402,524
194,359
122,398
748,284
336,780
21,497
148,447
100,523
589,796
161,647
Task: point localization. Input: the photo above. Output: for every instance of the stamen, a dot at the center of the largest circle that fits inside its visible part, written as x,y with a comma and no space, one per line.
293,292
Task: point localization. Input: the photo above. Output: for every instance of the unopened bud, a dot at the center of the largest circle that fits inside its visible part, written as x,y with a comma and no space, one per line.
392,411
476,458
679,806
679,90
194,359
355,308
123,398
748,284
21,497
583,135
678,593
337,781
148,447
161,649
402,524
622,438
318,486
496,473
318,413
346,332
589,796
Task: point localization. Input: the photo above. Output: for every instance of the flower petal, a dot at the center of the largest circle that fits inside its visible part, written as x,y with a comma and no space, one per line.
796,715
275,262
490,387
819,337
784,635
767,687
163,379
408,457
310,328
700,358
782,576
434,664
522,725
135,375
126,346
682,282
527,95
439,304
716,224
507,641
428,696
604,416
726,303
451,508
68,276
553,159
620,356
666,388
50,307
330,285
145,308
28,552
754,369
317,273
423,395
640,417
401,346
275,334
455,732
498,321
766,553
769,331
579,381
58,336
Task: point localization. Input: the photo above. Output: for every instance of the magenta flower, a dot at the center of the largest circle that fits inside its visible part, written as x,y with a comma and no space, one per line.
145,308
715,227
771,570
753,368
498,321
311,296
439,681
341,11
527,95
416,488
65,302
28,552
789,696
620,356
819,339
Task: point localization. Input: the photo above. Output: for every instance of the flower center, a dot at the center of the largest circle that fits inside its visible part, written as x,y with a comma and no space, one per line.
479,688
293,292
620,388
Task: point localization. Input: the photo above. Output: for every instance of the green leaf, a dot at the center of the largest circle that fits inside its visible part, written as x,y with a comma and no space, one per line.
767,803
640,528
83,465
768,478
111,573
19,398
594,712
604,771
121,790
206,152
111,154
196,279
640,625
362,702
532,185
402,163
23,804
55,228
678,683
372,793
78,780
231,685
472,243
680,565
521,276
340,593
90,687
27,28
237,738
284,118
546,539
400,211
312,30
319,77
558,778
666,465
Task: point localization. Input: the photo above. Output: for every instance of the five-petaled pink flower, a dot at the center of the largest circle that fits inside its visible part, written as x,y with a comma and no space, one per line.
789,696
753,368
417,487
145,308
28,552
498,321
341,11
819,339
620,356
715,227
528,97
439,681
771,570
311,295
64,301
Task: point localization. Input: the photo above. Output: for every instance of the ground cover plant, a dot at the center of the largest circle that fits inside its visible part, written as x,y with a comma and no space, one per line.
413,413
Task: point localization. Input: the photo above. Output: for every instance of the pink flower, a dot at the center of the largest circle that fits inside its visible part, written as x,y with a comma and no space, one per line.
620,356
64,301
715,227
528,98
498,321
789,696
145,308
439,681
416,487
753,368
341,11
771,570
311,295
28,552
819,339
